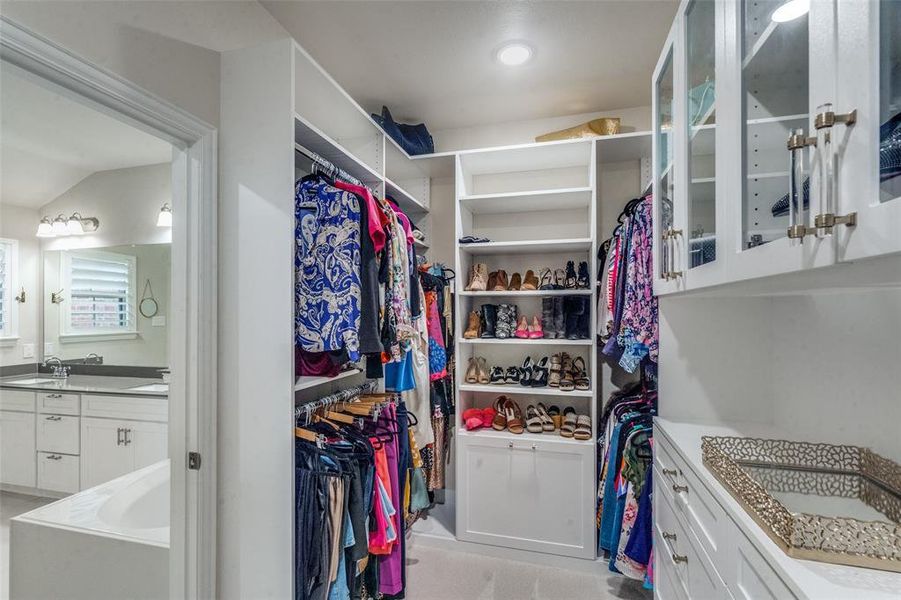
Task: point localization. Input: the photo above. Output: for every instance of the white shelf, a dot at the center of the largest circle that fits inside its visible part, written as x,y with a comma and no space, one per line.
439,164
701,180
419,244
527,342
311,138
407,202
525,436
541,156
523,390
307,382
772,175
528,247
538,200
624,146
525,293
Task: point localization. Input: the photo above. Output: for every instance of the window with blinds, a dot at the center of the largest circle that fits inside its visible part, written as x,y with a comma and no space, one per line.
101,289
5,286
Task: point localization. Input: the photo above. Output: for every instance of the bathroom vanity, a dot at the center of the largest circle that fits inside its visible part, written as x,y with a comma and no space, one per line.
59,436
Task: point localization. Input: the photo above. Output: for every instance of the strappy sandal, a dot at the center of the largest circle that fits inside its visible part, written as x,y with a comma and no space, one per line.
515,282
570,282
582,279
583,428
559,279
556,370
499,423
534,423
569,422
567,384
497,376
546,282
556,417
580,375
512,375
540,373
472,372
483,370
514,416
547,423
530,282
525,372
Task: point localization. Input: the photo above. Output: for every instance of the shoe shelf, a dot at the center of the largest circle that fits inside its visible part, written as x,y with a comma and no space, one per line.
515,388
525,437
306,382
528,246
530,201
525,293
527,342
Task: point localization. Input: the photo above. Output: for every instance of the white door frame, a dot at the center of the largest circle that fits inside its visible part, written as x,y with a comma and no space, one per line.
192,399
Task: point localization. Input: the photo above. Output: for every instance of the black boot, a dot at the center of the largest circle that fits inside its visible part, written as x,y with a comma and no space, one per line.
559,328
489,320
547,318
575,311
583,281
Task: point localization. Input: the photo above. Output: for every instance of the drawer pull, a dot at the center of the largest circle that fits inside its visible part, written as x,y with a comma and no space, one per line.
670,472
54,457
53,418
680,488
670,537
54,395
534,446
678,558
510,445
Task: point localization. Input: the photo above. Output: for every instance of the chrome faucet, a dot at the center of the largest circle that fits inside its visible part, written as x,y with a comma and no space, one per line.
59,371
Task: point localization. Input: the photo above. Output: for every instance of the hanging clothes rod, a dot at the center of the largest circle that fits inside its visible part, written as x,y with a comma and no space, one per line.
340,396
328,167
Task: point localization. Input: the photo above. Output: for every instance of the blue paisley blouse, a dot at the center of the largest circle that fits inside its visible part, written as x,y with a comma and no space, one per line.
326,268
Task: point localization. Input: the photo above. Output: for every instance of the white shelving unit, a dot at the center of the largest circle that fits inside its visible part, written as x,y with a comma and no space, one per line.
536,203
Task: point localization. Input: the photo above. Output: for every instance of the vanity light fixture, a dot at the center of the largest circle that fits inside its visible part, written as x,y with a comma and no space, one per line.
73,225
165,218
514,54
60,226
791,10
45,228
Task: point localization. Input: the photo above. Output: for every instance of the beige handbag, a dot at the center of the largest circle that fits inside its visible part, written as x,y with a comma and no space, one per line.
593,128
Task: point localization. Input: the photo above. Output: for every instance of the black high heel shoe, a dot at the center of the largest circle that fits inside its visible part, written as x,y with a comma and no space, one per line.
525,377
582,281
540,373
570,281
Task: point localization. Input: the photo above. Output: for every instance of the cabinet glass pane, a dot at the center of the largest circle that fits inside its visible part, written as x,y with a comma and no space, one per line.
699,31
889,100
774,86
664,167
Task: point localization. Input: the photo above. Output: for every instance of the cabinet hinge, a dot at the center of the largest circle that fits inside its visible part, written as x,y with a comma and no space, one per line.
194,461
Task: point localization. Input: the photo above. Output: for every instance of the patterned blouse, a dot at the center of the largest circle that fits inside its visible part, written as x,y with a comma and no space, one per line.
326,268
638,333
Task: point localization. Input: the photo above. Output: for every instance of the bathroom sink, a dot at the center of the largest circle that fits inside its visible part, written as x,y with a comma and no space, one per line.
34,381
151,387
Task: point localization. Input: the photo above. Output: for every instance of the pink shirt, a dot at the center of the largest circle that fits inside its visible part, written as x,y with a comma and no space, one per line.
376,232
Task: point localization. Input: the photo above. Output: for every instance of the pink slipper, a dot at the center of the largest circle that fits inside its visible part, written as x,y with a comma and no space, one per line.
472,418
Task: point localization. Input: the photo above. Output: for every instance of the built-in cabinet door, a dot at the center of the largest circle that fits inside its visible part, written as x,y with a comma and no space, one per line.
149,442
104,453
868,153
17,448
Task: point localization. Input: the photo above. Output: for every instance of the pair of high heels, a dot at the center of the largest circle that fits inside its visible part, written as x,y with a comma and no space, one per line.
532,374
568,279
525,331
477,372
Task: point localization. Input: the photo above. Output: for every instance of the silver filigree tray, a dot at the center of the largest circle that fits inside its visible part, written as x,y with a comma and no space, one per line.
836,504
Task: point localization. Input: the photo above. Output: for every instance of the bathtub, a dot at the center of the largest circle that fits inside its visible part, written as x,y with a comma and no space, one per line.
109,541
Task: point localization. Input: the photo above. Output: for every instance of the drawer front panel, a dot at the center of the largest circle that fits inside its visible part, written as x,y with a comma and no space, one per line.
58,404
57,472
58,433
17,400
754,578
138,408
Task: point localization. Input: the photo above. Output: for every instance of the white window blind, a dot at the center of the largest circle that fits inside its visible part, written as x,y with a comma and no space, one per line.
101,292
7,287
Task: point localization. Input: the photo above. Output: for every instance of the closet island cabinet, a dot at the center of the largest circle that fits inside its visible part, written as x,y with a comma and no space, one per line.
777,137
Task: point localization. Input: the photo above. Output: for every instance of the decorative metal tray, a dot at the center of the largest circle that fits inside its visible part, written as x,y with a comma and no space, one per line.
836,504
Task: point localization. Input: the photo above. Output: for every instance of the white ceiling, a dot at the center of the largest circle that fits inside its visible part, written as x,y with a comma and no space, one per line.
433,61
49,142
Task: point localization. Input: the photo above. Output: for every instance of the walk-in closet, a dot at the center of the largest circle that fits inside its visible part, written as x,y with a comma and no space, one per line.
495,300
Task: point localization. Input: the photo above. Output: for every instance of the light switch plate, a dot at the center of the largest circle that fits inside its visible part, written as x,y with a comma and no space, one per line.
49,348
27,350
158,322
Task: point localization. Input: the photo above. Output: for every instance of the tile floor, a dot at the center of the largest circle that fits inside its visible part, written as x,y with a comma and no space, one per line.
12,505
438,574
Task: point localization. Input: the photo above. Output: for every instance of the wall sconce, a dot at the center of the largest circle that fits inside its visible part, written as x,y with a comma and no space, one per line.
165,218
61,226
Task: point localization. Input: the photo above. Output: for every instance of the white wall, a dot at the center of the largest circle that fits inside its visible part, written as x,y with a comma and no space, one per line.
524,132
21,224
127,202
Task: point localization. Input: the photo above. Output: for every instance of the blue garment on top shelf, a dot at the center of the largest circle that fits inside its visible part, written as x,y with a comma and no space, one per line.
327,268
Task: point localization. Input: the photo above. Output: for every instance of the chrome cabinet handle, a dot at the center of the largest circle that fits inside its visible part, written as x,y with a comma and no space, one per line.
54,457
54,395
670,472
680,488
127,439
510,445
823,123
797,223
53,418
670,537
534,446
673,233
678,558
119,436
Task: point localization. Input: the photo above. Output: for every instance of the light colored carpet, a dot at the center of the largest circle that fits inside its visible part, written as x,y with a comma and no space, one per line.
12,505
438,574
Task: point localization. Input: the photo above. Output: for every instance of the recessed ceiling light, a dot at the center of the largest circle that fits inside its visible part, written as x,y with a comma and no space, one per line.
790,11
514,54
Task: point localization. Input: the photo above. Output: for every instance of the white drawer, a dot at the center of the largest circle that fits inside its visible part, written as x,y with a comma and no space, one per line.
58,404
18,400
58,433
753,577
57,472
138,408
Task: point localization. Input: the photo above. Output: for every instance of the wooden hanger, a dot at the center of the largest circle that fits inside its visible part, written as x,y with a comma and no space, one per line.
306,434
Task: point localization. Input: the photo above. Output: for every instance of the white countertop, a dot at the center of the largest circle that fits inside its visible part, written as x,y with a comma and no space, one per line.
85,384
816,580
